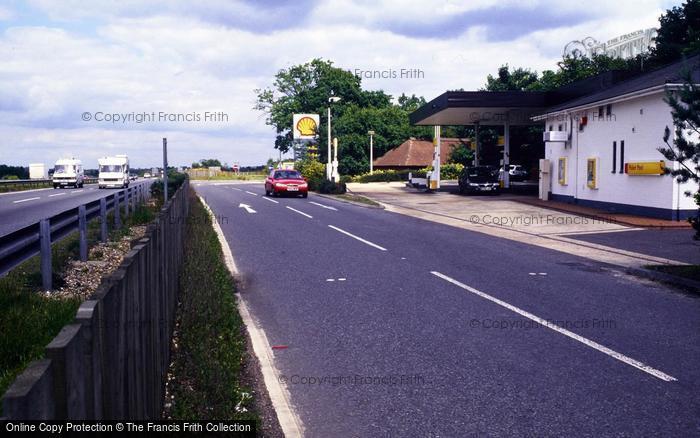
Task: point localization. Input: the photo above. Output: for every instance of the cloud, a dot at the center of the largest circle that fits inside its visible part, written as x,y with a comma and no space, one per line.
170,57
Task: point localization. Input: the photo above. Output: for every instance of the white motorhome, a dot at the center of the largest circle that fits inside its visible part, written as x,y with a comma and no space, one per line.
68,172
114,171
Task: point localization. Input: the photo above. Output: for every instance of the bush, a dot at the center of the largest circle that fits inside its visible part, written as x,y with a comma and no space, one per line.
314,172
175,180
382,176
331,188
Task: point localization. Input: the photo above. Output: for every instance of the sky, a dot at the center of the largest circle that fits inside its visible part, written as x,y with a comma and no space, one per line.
105,77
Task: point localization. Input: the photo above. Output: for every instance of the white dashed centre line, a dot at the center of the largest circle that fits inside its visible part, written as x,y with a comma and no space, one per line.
367,242
271,200
25,200
251,193
585,341
300,212
76,191
327,207
56,194
234,188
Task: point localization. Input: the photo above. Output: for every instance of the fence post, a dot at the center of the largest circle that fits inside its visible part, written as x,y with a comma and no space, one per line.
45,244
82,226
117,214
103,220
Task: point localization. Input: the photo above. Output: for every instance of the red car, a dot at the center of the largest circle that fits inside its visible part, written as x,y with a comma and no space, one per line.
286,181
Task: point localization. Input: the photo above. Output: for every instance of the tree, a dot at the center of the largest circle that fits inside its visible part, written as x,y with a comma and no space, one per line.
520,79
683,149
678,33
461,154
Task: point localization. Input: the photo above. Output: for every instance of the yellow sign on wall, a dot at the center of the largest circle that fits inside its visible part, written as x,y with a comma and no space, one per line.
561,171
592,173
645,167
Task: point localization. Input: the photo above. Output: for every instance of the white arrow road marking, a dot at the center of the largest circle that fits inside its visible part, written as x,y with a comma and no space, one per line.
271,200
324,206
300,212
24,200
251,193
374,245
247,208
612,353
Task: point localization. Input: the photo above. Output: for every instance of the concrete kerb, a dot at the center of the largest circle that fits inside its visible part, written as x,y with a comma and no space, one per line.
348,201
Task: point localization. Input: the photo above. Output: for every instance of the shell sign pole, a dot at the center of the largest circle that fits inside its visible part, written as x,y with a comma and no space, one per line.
305,126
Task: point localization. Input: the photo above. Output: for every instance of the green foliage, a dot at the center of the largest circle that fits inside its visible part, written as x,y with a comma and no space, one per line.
678,34
450,170
685,111
306,88
462,154
331,188
383,176
313,170
18,172
175,180
207,162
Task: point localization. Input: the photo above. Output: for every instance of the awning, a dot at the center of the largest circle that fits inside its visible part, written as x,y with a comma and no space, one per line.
482,107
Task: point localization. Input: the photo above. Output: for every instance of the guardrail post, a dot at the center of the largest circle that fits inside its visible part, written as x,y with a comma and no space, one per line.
126,202
103,220
82,227
117,214
45,246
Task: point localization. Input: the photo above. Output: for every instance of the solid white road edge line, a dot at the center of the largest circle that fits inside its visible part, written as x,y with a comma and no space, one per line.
374,245
271,200
289,421
25,200
612,353
300,212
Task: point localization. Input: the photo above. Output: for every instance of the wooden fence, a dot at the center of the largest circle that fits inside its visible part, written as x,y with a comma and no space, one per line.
111,362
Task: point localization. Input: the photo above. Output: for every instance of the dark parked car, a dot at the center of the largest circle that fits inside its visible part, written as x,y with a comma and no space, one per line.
478,179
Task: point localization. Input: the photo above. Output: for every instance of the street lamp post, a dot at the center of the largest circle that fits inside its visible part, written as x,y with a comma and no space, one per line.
371,152
331,99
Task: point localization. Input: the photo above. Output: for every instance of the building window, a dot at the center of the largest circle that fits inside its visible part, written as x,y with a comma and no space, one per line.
608,110
551,127
622,156
600,112
614,157
561,127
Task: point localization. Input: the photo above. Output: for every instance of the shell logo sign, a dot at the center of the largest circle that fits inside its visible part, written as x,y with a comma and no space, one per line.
305,126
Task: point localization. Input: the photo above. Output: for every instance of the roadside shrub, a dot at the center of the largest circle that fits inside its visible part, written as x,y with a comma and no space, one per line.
313,170
447,171
175,180
331,188
382,176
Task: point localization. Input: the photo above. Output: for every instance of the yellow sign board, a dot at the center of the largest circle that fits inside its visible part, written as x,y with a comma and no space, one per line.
501,140
645,168
592,173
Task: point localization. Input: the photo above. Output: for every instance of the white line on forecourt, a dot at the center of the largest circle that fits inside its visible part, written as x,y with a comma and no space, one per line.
271,200
374,245
57,194
612,353
300,212
290,422
25,200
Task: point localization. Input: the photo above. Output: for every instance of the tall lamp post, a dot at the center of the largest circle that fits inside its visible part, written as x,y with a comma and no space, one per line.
331,100
371,152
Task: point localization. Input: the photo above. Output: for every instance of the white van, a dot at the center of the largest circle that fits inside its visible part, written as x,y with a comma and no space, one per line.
68,172
114,171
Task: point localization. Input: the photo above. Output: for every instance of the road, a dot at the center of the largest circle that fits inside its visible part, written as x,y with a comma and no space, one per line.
19,209
388,325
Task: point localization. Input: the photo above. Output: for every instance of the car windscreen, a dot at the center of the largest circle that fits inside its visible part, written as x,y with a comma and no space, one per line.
62,168
110,168
481,175
287,174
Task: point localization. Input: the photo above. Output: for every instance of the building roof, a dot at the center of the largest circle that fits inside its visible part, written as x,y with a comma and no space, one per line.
670,74
417,153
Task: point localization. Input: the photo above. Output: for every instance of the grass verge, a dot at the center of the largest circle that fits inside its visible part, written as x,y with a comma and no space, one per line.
691,272
357,198
209,345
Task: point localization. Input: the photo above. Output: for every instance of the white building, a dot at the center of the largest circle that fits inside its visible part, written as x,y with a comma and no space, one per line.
603,148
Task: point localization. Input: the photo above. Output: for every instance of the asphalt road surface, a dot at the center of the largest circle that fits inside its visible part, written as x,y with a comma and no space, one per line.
19,209
394,326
